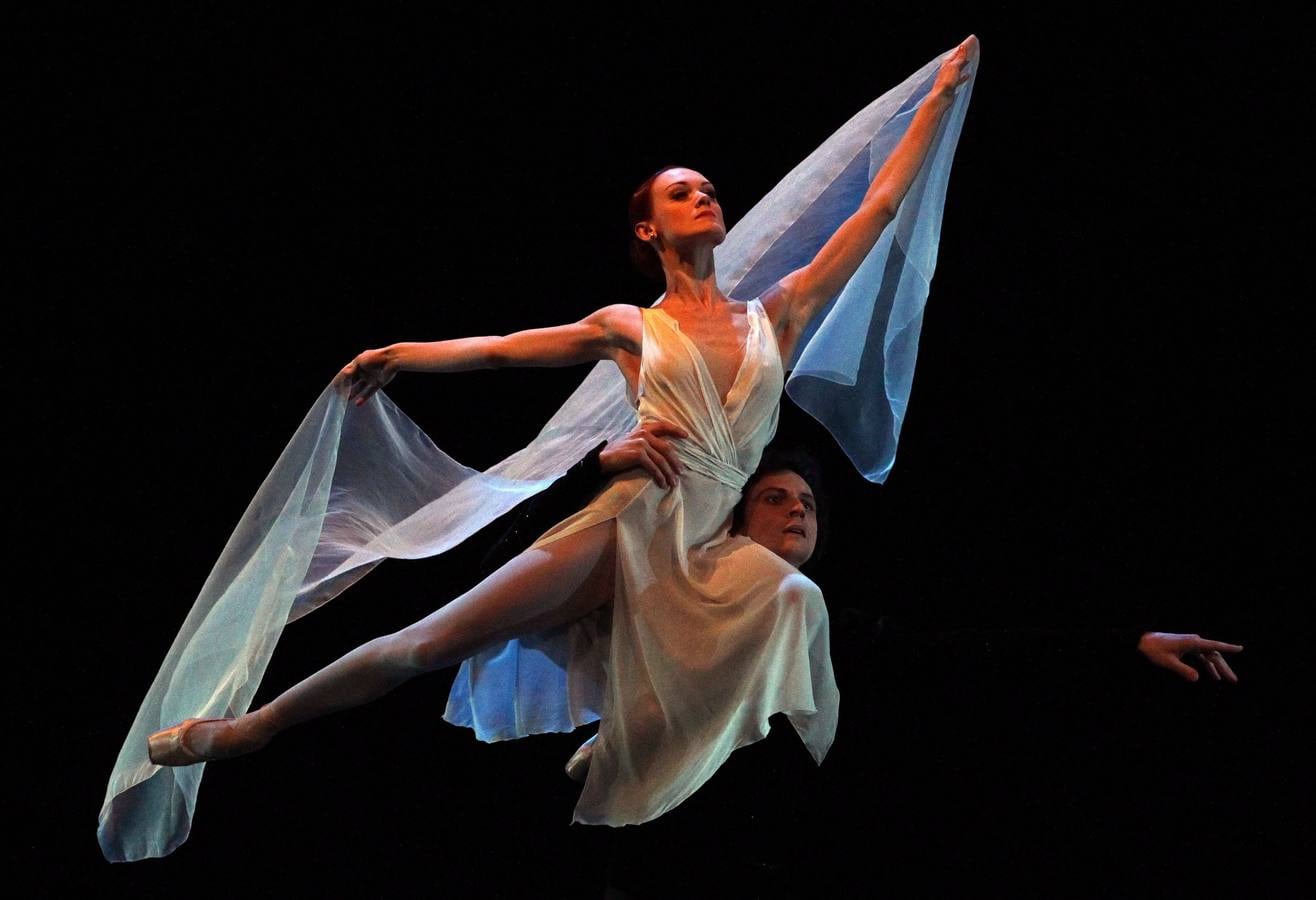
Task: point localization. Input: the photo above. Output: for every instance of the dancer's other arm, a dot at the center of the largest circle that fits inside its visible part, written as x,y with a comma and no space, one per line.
600,335
1167,651
1159,648
796,298
1044,647
648,446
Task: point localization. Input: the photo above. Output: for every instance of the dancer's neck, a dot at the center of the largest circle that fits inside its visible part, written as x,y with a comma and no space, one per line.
689,292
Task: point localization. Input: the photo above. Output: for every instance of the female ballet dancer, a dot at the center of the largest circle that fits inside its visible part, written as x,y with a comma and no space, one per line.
702,635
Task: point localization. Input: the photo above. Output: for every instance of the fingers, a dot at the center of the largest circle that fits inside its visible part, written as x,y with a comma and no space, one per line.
661,460
1216,664
653,461
372,387
363,379
1187,672
668,454
1204,644
1166,649
1224,668
651,434
362,389
959,64
642,448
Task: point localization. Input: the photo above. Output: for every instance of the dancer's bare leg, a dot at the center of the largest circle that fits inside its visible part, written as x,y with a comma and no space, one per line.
537,590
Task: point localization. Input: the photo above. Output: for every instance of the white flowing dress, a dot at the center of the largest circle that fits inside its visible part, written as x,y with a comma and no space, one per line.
708,634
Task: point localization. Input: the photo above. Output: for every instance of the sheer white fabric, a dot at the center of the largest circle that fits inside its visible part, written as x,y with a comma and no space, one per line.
707,635
356,485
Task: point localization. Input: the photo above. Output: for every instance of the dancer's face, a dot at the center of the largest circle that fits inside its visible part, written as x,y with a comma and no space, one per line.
782,515
685,208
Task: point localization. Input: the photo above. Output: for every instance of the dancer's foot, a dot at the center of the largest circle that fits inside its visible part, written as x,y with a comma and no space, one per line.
203,740
578,766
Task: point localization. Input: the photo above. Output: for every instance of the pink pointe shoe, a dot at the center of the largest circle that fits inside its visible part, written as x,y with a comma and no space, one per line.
578,766
168,747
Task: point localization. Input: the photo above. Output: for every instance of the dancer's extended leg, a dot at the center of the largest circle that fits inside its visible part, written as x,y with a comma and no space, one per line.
539,589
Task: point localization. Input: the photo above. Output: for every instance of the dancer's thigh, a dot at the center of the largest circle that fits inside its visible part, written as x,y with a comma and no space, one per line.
540,588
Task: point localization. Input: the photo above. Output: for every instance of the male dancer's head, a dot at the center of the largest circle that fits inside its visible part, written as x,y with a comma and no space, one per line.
780,506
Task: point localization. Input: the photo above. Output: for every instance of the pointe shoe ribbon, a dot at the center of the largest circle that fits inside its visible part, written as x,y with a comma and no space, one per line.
168,747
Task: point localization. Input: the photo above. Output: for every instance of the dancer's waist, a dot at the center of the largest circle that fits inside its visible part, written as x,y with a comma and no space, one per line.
696,459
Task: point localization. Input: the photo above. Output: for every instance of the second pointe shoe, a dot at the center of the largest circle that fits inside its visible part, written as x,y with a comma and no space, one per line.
578,766
168,747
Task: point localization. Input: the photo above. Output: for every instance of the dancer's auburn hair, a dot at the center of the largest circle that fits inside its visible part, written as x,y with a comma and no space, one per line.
643,255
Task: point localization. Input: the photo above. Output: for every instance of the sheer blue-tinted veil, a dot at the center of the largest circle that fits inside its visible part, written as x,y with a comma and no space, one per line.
356,485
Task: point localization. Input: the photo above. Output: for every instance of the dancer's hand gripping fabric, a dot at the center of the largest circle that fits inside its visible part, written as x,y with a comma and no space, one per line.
956,69
370,371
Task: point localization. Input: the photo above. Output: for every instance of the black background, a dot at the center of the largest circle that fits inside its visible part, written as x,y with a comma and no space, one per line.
226,210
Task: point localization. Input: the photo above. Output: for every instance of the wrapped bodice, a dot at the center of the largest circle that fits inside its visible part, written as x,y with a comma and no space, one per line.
725,442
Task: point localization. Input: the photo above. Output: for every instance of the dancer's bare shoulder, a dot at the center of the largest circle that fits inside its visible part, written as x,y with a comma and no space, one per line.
781,303
622,327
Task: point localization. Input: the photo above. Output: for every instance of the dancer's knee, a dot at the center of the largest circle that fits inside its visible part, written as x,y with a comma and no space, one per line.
646,720
415,651
534,591
798,589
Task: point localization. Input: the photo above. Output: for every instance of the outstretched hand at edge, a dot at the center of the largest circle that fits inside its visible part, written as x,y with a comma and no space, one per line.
957,68
366,374
1167,651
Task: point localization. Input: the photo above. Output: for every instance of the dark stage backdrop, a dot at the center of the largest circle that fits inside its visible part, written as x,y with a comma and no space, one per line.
228,210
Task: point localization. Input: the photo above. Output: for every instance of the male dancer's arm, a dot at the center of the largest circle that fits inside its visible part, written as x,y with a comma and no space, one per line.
647,446
581,484
1053,648
1058,648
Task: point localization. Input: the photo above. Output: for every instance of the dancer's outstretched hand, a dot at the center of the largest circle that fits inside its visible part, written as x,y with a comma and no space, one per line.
957,68
1167,651
646,446
370,371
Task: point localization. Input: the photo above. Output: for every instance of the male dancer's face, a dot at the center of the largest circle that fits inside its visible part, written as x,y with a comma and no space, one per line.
782,515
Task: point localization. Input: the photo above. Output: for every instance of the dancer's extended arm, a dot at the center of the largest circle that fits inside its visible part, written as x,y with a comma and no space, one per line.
597,336
796,298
